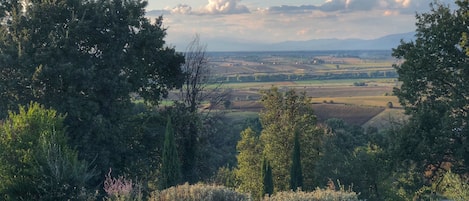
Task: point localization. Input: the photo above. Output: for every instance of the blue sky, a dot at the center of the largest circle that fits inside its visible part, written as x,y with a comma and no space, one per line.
223,22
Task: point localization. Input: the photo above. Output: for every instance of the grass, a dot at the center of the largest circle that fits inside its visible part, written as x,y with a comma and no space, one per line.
332,82
239,116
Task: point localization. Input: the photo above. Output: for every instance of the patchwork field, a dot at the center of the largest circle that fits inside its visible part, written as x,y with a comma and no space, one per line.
352,85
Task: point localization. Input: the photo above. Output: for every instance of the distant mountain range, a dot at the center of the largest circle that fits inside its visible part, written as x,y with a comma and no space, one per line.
384,43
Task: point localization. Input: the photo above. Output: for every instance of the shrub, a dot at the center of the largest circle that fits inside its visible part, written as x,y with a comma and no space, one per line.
225,176
359,84
389,105
449,186
198,192
317,195
121,189
35,161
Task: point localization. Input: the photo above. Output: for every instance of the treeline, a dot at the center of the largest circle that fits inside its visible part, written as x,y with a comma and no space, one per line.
273,77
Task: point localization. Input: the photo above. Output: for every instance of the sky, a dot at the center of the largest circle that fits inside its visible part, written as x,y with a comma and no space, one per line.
223,22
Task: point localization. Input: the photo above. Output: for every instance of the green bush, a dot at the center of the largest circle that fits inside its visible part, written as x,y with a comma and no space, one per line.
449,186
317,195
35,161
198,192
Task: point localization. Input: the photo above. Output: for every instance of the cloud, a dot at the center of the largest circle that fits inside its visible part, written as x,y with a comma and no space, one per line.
352,5
182,9
292,9
328,6
399,6
157,12
390,13
224,7
403,3
361,4
333,5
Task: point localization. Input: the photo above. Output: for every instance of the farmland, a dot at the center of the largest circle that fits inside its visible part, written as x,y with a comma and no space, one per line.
352,85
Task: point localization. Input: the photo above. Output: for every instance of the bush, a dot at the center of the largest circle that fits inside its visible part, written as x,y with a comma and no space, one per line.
121,189
389,105
449,186
198,192
317,195
35,161
225,176
359,84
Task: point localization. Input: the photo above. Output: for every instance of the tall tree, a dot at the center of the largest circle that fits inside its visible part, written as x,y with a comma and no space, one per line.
170,167
249,164
267,180
194,91
296,173
85,58
434,72
282,116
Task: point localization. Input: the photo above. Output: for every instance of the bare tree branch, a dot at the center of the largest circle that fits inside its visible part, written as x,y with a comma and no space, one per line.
198,87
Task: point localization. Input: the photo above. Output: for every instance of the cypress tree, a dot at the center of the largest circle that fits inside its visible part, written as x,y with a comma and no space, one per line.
170,167
296,174
267,181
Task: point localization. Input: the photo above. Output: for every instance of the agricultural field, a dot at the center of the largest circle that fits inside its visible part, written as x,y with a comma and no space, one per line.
356,86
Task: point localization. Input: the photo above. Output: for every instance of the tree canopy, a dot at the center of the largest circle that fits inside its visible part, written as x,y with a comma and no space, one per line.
85,59
434,72
285,114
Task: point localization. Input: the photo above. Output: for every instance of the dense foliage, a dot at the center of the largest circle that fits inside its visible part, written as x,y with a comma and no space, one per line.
35,161
286,114
434,74
248,170
85,58
170,171
296,173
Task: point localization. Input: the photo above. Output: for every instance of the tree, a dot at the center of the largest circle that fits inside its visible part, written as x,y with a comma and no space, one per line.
282,116
85,58
194,91
296,174
170,167
35,161
357,159
249,166
267,181
434,75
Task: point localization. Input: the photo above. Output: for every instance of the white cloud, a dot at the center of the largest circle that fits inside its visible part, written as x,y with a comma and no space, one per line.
403,3
182,9
224,7
361,4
